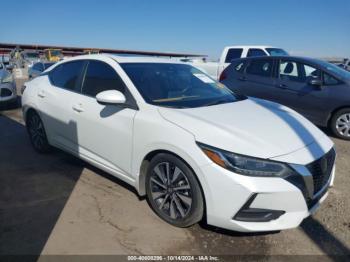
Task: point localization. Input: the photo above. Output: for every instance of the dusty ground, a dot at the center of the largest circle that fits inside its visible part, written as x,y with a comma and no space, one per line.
57,204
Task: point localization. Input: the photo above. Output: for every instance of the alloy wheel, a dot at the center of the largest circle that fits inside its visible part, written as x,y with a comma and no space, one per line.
171,190
343,125
36,131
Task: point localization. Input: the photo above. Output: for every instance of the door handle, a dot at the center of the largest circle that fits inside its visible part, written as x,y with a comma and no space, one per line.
242,78
41,94
78,108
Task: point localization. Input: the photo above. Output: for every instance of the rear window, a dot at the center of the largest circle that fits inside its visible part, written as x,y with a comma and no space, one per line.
260,67
276,52
253,52
233,53
66,75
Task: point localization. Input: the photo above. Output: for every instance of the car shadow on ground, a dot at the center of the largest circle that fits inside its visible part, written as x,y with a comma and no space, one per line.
34,189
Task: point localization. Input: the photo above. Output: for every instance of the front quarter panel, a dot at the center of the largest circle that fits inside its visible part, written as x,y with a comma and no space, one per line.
152,132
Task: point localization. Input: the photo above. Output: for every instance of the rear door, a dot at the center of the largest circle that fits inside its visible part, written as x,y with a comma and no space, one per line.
257,80
296,91
56,94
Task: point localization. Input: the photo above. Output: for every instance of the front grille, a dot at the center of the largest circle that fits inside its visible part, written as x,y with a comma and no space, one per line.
4,92
321,170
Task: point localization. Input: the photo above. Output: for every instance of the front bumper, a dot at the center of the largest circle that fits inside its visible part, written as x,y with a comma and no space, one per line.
7,92
229,193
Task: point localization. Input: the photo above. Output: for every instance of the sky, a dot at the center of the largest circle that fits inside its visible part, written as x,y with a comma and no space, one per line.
317,28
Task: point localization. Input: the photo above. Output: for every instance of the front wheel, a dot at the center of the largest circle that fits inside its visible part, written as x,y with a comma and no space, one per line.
37,134
340,124
173,191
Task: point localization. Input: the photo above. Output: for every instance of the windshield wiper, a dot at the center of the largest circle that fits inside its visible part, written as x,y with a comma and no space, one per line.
217,102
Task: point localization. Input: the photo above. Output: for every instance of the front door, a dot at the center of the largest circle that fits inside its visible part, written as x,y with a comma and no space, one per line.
105,132
295,90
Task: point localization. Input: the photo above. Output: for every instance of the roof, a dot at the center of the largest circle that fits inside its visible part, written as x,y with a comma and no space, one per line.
251,46
125,59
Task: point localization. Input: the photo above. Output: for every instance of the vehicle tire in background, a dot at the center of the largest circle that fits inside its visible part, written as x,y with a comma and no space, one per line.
173,191
340,124
37,134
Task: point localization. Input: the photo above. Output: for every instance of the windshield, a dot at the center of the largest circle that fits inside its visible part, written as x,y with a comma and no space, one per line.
56,53
337,70
32,55
276,52
177,85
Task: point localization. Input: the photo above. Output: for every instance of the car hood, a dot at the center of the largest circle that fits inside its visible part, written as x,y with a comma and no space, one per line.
251,127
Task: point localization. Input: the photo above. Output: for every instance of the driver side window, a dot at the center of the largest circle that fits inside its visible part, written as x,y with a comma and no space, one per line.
101,77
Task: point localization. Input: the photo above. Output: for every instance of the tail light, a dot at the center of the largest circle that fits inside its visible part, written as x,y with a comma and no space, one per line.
223,76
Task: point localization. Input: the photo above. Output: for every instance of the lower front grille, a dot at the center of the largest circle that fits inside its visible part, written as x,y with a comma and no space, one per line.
4,92
321,170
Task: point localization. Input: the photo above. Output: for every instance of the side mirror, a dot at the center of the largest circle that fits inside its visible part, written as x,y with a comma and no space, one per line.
316,82
112,97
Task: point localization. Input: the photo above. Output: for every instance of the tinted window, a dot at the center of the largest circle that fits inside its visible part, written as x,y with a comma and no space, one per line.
297,72
233,53
101,77
47,65
329,80
1,67
276,52
239,67
260,67
288,70
39,67
177,85
255,52
66,75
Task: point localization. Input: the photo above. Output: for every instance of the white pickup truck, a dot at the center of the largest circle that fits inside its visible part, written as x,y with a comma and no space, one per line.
214,69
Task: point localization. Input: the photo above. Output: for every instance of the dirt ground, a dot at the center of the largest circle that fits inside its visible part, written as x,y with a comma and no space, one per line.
58,204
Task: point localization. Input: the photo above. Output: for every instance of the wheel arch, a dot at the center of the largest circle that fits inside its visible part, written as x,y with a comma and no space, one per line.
141,185
334,112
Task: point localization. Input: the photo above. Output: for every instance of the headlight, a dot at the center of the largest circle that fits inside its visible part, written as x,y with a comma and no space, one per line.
7,79
245,165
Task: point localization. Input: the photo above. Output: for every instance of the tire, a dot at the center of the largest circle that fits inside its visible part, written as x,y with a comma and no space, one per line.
37,133
180,203
340,124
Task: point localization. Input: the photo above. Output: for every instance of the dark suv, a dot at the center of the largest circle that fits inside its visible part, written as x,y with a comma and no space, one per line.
316,89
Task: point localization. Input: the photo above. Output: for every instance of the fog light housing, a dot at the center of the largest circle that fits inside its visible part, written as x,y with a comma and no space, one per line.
248,214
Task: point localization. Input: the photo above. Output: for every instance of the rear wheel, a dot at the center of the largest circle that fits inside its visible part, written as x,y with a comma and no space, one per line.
340,123
173,191
37,133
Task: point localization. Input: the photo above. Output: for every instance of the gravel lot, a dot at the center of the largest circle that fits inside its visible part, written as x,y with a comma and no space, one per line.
57,204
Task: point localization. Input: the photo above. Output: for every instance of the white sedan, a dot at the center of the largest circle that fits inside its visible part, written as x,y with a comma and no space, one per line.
196,149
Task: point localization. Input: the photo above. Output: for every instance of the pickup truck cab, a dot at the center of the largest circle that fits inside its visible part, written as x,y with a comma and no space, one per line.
214,69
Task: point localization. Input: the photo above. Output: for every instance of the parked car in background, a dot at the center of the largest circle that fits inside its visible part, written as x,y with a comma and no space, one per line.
230,53
345,65
8,92
316,89
185,141
38,68
29,58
